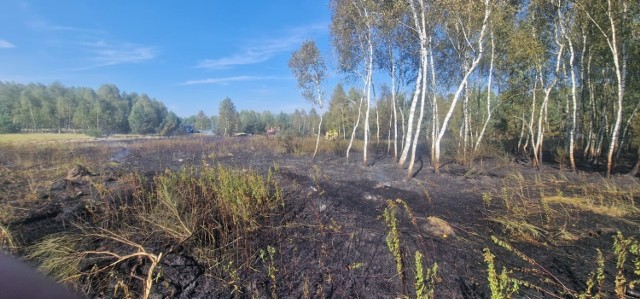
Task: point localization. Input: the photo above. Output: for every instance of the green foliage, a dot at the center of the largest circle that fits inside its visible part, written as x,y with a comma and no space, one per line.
147,116
6,126
425,282
201,121
622,247
170,124
216,203
56,108
393,236
502,286
595,283
268,258
251,122
331,135
227,117
309,69
291,143
487,198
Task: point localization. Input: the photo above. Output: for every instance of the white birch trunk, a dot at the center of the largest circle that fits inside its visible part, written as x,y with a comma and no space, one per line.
355,127
613,45
574,106
423,61
489,111
463,82
419,23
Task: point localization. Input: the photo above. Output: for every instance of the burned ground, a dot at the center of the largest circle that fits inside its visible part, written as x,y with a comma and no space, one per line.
329,239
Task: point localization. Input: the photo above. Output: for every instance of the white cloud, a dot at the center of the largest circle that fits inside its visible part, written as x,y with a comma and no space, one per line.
263,50
6,45
227,80
105,53
42,25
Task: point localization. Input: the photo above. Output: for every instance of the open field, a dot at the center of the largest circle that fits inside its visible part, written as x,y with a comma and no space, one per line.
255,217
12,139
41,137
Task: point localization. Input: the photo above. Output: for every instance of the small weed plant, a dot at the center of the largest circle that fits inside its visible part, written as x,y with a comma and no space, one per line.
625,260
268,258
425,278
393,236
502,286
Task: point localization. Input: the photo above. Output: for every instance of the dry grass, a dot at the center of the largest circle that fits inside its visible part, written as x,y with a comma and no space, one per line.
6,240
65,257
58,256
305,146
218,212
538,209
588,204
41,137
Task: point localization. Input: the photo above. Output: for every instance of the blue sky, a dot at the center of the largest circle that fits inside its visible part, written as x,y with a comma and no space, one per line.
188,54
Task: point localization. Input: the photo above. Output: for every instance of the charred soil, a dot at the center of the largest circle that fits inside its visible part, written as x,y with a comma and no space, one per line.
329,238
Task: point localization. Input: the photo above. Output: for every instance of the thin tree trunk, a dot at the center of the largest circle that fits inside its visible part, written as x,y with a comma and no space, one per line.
465,118
423,59
518,149
355,127
592,103
435,125
542,116
412,111
445,122
620,69
315,152
404,129
377,127
389,136
368,83
636,167
574,107
625,132
393,101
486,122
420,26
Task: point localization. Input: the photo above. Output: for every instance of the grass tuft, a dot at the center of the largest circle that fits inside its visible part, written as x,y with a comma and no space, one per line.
7,241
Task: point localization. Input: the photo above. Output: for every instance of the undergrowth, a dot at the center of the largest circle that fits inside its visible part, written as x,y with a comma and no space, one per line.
218,212
615,275
425,281
538,210
543,210
7,242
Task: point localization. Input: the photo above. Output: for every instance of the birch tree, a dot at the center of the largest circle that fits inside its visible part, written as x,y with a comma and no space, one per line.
612,30
309,69
352,27
475,48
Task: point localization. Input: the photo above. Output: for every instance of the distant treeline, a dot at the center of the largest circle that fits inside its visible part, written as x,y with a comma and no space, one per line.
57,108
229,121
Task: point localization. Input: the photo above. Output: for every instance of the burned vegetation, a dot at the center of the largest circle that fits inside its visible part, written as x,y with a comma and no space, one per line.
202,217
